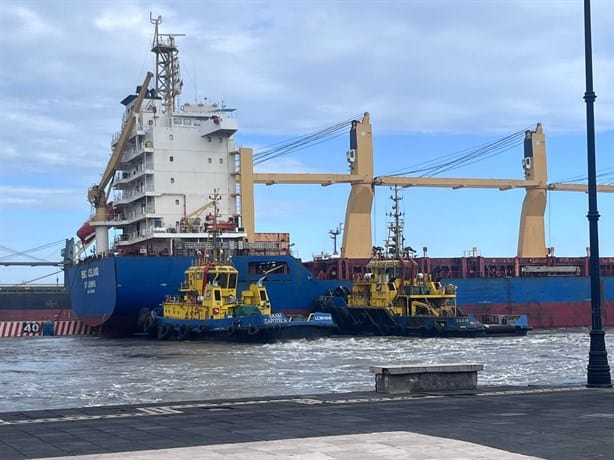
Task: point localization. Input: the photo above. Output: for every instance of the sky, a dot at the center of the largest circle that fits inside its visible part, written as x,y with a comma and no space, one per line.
437,77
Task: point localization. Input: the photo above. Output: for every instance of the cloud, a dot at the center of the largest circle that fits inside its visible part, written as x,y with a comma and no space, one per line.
38,197
422,69
21,24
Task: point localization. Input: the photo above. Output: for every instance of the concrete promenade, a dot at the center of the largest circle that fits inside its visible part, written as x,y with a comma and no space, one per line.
490,422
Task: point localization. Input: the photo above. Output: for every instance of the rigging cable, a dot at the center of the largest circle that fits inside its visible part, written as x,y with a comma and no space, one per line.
298,143
464,157
38,278
606,174
27,252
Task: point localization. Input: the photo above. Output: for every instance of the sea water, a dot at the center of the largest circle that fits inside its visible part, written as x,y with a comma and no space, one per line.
61,372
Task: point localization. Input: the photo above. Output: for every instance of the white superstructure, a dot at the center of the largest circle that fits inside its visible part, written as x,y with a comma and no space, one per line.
172,175
169,169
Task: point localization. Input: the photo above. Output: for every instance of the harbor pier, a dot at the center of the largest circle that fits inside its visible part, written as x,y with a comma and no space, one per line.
568,422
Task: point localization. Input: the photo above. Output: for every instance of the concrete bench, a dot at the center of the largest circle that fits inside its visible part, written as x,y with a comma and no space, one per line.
410,378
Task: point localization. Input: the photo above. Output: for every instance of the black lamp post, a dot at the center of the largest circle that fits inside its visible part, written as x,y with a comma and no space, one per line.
598,370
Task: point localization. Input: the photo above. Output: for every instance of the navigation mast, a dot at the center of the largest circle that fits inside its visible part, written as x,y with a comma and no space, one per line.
334,233
396,240
168,77
215,197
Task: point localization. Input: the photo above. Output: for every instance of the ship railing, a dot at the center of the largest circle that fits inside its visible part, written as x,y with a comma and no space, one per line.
128,197
174,299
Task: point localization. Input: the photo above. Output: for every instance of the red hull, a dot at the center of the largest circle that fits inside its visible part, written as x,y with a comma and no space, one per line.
37,315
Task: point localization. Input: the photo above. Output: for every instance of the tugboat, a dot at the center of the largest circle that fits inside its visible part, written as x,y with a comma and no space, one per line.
207,307
393,298
504,325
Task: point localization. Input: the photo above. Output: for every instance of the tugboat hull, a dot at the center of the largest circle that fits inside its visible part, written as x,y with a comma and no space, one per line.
375,321
275,327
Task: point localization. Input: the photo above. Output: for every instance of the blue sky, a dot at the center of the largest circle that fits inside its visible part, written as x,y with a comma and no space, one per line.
437,77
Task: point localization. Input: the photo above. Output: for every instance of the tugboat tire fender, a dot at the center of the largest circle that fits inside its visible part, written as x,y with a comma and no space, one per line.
185,333
164,330
252,329
149,323
231,330
144,316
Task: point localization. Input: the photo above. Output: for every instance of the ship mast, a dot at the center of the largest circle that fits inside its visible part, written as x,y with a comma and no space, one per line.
168,78
215,197
396,240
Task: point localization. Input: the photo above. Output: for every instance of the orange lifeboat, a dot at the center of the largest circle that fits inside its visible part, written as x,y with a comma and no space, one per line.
86,233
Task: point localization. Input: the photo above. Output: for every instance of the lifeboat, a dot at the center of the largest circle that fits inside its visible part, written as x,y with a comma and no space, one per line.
86,232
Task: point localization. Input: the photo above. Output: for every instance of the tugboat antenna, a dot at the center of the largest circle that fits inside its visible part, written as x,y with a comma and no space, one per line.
396,240
334,233
215,197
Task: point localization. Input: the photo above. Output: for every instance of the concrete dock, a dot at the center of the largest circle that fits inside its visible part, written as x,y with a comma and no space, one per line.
485,423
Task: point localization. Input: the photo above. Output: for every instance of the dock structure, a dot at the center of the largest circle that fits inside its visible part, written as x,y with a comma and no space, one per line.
494,422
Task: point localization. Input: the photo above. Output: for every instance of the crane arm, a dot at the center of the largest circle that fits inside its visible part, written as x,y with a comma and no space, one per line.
578,187
199,210
501,184
96,195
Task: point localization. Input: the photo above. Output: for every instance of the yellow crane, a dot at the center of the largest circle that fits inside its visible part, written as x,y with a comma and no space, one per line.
357,235
97,194
191,222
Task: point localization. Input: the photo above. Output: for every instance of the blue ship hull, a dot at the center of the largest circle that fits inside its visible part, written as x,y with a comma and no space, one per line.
108,293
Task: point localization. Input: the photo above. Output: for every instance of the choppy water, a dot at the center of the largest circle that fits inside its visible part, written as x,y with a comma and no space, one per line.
56,372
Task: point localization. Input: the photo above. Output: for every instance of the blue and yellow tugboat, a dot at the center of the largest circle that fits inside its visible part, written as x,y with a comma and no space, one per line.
208,307
393,298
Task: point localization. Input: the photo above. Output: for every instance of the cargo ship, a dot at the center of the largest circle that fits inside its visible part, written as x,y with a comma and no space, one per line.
36,310
554,292
169,164
168,157
34,302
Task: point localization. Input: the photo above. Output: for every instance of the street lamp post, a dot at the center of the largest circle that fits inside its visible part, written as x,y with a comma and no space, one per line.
598,370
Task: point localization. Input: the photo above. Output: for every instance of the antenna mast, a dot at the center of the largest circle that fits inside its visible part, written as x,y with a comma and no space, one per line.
215,197
168,78
396,240
334,233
